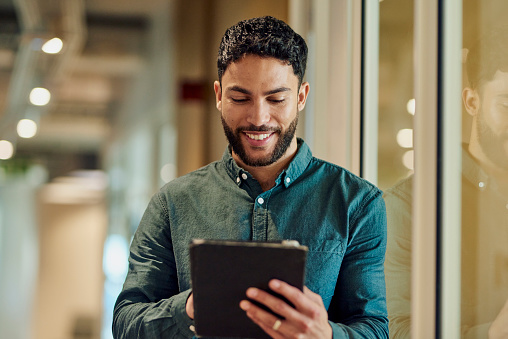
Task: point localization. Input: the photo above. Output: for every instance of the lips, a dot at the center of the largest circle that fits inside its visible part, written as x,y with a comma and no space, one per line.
259,139
258,136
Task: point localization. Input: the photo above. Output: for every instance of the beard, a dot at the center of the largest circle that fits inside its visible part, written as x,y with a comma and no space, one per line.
493,146
283,143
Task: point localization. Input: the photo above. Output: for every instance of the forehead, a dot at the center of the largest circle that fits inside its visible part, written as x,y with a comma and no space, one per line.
256,70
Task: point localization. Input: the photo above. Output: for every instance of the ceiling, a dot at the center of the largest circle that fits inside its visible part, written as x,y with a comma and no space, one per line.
103,49
105,42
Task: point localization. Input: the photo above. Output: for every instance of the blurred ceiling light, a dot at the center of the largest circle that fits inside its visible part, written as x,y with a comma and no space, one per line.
27,128
408,159
52,46
411,106
168,172
6,150
405,138
40,96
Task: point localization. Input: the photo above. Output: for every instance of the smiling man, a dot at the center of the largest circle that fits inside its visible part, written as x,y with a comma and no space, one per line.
260,105
266,187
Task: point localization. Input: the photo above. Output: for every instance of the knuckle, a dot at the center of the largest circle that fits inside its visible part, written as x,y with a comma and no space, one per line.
314,313
279,306
305,325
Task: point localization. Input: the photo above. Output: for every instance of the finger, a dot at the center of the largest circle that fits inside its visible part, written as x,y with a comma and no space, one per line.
304,302
275,304
189,306
314,296
295,320
266,320
273,333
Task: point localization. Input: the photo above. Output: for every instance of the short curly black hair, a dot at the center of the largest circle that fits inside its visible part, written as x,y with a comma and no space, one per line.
488,55
267,37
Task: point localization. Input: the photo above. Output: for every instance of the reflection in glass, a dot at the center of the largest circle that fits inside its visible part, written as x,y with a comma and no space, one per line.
485,187
484,258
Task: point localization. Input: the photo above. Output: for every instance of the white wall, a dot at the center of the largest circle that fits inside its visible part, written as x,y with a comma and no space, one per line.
18,257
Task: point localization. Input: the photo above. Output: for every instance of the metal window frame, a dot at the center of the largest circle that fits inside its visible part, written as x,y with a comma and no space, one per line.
370,91
435,298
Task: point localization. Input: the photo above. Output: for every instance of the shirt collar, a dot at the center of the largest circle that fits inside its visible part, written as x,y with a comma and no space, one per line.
295,169
298,164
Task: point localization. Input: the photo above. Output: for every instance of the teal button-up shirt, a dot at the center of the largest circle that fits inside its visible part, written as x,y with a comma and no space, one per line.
340,217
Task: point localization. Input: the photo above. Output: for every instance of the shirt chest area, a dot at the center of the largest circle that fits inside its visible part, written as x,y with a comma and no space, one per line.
269,216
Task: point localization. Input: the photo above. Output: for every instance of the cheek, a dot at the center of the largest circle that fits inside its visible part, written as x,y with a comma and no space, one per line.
498,119
228,113
230,121
494,116
287,113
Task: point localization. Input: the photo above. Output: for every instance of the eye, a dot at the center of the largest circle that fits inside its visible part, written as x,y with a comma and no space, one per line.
239,100
276,100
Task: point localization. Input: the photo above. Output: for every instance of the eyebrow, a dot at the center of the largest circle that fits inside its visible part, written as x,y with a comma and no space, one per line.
245,91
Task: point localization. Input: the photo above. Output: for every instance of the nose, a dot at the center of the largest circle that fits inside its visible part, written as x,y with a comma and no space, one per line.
259,114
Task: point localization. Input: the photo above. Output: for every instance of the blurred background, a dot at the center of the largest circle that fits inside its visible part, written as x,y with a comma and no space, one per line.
104,101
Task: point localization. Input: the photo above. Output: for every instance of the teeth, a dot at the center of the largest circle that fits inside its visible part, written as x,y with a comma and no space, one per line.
258,136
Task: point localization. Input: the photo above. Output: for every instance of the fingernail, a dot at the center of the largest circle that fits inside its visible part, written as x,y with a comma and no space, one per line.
275,283
244,305
252,292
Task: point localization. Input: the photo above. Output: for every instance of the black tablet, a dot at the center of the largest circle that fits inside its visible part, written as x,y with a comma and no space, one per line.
221,272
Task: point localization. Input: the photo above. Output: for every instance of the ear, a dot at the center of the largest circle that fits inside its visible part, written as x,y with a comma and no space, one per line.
302,95
471,100
218,95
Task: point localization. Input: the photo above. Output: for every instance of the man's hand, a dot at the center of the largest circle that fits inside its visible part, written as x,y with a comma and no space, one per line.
499,328
308,319
189,306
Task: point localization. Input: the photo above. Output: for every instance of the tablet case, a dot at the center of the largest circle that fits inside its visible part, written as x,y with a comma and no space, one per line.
221,272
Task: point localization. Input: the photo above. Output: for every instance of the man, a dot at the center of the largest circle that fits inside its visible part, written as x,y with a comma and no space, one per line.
267,187
484,267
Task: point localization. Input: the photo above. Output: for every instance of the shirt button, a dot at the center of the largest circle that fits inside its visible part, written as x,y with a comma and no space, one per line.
261,201
244,176
481,184
237,180
192,328
288,180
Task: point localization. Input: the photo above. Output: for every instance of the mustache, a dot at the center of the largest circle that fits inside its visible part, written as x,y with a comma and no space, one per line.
262,128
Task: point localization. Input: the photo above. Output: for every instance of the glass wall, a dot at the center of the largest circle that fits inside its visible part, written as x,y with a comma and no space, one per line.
396,153
484,278
467,178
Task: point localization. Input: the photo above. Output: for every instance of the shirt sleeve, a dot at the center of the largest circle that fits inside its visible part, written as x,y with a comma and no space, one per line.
150,304
358,308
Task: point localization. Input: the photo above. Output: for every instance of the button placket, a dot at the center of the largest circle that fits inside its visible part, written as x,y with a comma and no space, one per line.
259,219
